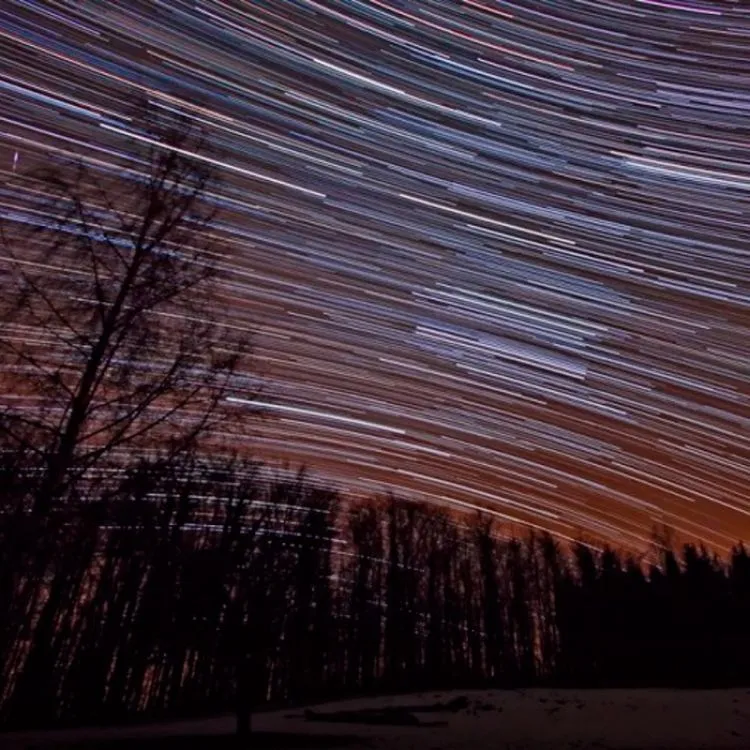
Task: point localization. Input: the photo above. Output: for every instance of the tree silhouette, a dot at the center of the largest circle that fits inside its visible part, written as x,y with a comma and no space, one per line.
105,337
363,633
104,348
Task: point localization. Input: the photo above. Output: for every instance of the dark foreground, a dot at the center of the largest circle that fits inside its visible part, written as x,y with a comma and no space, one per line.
259,741
534,719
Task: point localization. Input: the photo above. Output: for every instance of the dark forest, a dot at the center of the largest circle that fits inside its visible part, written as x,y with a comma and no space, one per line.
193,581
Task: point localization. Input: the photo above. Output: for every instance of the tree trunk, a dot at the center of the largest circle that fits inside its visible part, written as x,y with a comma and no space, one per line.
244,724
244,700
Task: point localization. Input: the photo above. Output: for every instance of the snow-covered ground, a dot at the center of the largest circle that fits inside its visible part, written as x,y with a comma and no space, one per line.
533,719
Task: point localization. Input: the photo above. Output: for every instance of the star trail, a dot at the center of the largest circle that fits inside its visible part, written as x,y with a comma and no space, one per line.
494,254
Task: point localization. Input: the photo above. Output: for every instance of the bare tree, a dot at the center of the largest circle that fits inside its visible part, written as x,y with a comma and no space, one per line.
111,344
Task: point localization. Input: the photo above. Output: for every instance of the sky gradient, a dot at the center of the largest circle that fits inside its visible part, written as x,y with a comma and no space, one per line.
493,253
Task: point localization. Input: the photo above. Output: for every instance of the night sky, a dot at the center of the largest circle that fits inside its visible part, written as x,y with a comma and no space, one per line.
493,253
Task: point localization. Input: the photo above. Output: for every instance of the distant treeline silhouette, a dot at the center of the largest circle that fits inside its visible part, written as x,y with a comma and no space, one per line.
159,593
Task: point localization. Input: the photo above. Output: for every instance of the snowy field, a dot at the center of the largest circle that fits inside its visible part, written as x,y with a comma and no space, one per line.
460,720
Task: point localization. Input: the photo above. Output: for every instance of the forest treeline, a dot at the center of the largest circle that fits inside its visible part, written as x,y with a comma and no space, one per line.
147,596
